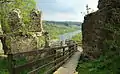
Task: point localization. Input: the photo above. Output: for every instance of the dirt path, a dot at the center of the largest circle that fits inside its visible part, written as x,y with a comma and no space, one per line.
70,66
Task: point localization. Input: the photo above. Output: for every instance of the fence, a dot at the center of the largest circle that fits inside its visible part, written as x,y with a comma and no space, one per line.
79,43
43,61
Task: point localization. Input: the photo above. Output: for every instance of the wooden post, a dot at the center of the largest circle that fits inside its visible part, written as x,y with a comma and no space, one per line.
46,35
76,47
55,56
61,43
69,48
63,51
69,51
11,65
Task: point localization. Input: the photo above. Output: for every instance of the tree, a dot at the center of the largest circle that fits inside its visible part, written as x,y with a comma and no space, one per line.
87,9
25,6
7,5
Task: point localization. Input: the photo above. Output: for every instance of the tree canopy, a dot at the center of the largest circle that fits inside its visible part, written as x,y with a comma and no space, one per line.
6,6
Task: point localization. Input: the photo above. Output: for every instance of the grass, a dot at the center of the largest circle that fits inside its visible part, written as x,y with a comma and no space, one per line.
3,66
106,64
77,37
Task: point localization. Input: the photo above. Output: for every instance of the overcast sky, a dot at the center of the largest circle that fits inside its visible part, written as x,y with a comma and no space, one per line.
65,10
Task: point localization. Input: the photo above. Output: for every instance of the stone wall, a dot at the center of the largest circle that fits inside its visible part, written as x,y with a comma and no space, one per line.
93,28
106,3
18,37
36,22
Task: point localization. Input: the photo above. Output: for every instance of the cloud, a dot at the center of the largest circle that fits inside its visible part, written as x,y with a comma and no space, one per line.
93,4
66,10
61,17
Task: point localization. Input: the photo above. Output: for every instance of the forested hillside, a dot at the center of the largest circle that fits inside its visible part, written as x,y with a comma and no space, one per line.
56,28
67,23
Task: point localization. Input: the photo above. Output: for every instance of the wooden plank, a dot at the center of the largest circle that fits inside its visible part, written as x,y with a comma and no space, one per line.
30,53
30,64
63,51
36,70
57,66
33,63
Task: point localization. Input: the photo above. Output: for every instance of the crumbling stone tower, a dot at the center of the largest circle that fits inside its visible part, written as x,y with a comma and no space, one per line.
93,28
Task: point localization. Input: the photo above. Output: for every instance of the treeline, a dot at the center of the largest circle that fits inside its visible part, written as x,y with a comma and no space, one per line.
56,29
67,23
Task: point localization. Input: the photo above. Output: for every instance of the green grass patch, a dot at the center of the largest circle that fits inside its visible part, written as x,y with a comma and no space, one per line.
106,64
3,66
77,37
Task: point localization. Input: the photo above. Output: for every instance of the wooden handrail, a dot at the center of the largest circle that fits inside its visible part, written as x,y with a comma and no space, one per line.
31,64
28,53
58,57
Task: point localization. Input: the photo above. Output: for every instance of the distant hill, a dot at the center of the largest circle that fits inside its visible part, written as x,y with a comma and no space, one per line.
66,23
57,28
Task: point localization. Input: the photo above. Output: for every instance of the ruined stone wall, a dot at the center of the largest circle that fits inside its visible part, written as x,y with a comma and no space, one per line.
22,38
36,22
93,28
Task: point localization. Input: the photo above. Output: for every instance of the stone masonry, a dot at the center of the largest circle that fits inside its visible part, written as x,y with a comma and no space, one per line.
93,30
20,38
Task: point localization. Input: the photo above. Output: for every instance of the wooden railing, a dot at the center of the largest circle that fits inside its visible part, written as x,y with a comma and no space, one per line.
79,43
43,61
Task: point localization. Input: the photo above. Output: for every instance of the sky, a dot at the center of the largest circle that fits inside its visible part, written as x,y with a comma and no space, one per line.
65,10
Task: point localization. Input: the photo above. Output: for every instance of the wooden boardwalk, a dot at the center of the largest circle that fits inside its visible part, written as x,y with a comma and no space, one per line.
70,66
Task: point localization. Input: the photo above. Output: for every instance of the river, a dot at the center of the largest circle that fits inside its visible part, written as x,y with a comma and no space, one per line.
69,35
63,37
